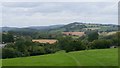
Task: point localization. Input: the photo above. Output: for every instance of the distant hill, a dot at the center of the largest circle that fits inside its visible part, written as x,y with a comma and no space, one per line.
72,27
75,26
45,27
78,26
6,29
31,28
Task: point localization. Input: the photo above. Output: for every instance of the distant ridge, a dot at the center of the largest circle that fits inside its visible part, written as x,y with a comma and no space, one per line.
75,26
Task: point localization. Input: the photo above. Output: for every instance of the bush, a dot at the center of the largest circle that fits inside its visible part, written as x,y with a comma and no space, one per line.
7,38
86,44
114,38
93,36
77,45
9,53
101,44
69,44
37,50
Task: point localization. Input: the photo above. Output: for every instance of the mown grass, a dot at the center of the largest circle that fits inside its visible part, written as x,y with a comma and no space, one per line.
97,57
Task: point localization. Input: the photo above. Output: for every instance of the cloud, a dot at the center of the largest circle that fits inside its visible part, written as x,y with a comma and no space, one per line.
59,0
48,13
20,4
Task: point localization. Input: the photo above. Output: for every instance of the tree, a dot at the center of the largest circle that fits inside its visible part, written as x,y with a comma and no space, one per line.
37,50
114,38
86,44
64,43
101,44
69,44
9,53
93,36
7,38
77,45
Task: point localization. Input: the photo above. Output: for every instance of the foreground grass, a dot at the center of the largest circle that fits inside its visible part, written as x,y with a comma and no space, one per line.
98,57
0,56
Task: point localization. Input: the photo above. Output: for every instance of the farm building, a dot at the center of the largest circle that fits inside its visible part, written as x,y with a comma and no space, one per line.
50,41
74,33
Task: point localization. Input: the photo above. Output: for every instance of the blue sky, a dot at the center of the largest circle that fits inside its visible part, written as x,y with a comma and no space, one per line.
22,14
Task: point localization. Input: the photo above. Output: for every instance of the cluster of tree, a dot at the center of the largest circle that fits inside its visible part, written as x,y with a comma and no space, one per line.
114,39
24,46
100,44
31,33
69,44
73,27
92,35
34,34
48,35
7,38
94,41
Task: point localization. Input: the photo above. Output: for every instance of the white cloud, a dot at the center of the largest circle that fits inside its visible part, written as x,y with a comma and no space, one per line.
59,0
44,13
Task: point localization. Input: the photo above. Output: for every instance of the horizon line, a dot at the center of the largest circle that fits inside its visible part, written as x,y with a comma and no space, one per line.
59,24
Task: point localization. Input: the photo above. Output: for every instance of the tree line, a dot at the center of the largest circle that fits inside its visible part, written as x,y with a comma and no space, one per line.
23,46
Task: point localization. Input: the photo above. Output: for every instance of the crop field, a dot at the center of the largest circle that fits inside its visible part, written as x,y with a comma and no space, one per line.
108,33
50,41
97,57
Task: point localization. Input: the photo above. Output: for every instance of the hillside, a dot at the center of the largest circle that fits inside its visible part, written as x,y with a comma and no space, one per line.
45,27
31,28
98,57
75,26
6,29
78,27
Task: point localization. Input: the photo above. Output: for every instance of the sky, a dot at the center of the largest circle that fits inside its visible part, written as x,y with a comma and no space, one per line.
23,14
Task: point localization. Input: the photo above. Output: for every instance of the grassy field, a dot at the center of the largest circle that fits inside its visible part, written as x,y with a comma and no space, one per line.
97,57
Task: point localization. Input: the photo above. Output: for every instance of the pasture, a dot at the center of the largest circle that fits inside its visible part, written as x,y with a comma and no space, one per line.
97,57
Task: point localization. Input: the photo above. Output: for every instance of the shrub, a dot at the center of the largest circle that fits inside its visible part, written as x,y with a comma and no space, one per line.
37,50
69,44
101,44
9,53
93,36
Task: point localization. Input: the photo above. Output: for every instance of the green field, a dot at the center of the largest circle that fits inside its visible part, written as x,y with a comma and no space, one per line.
97,57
